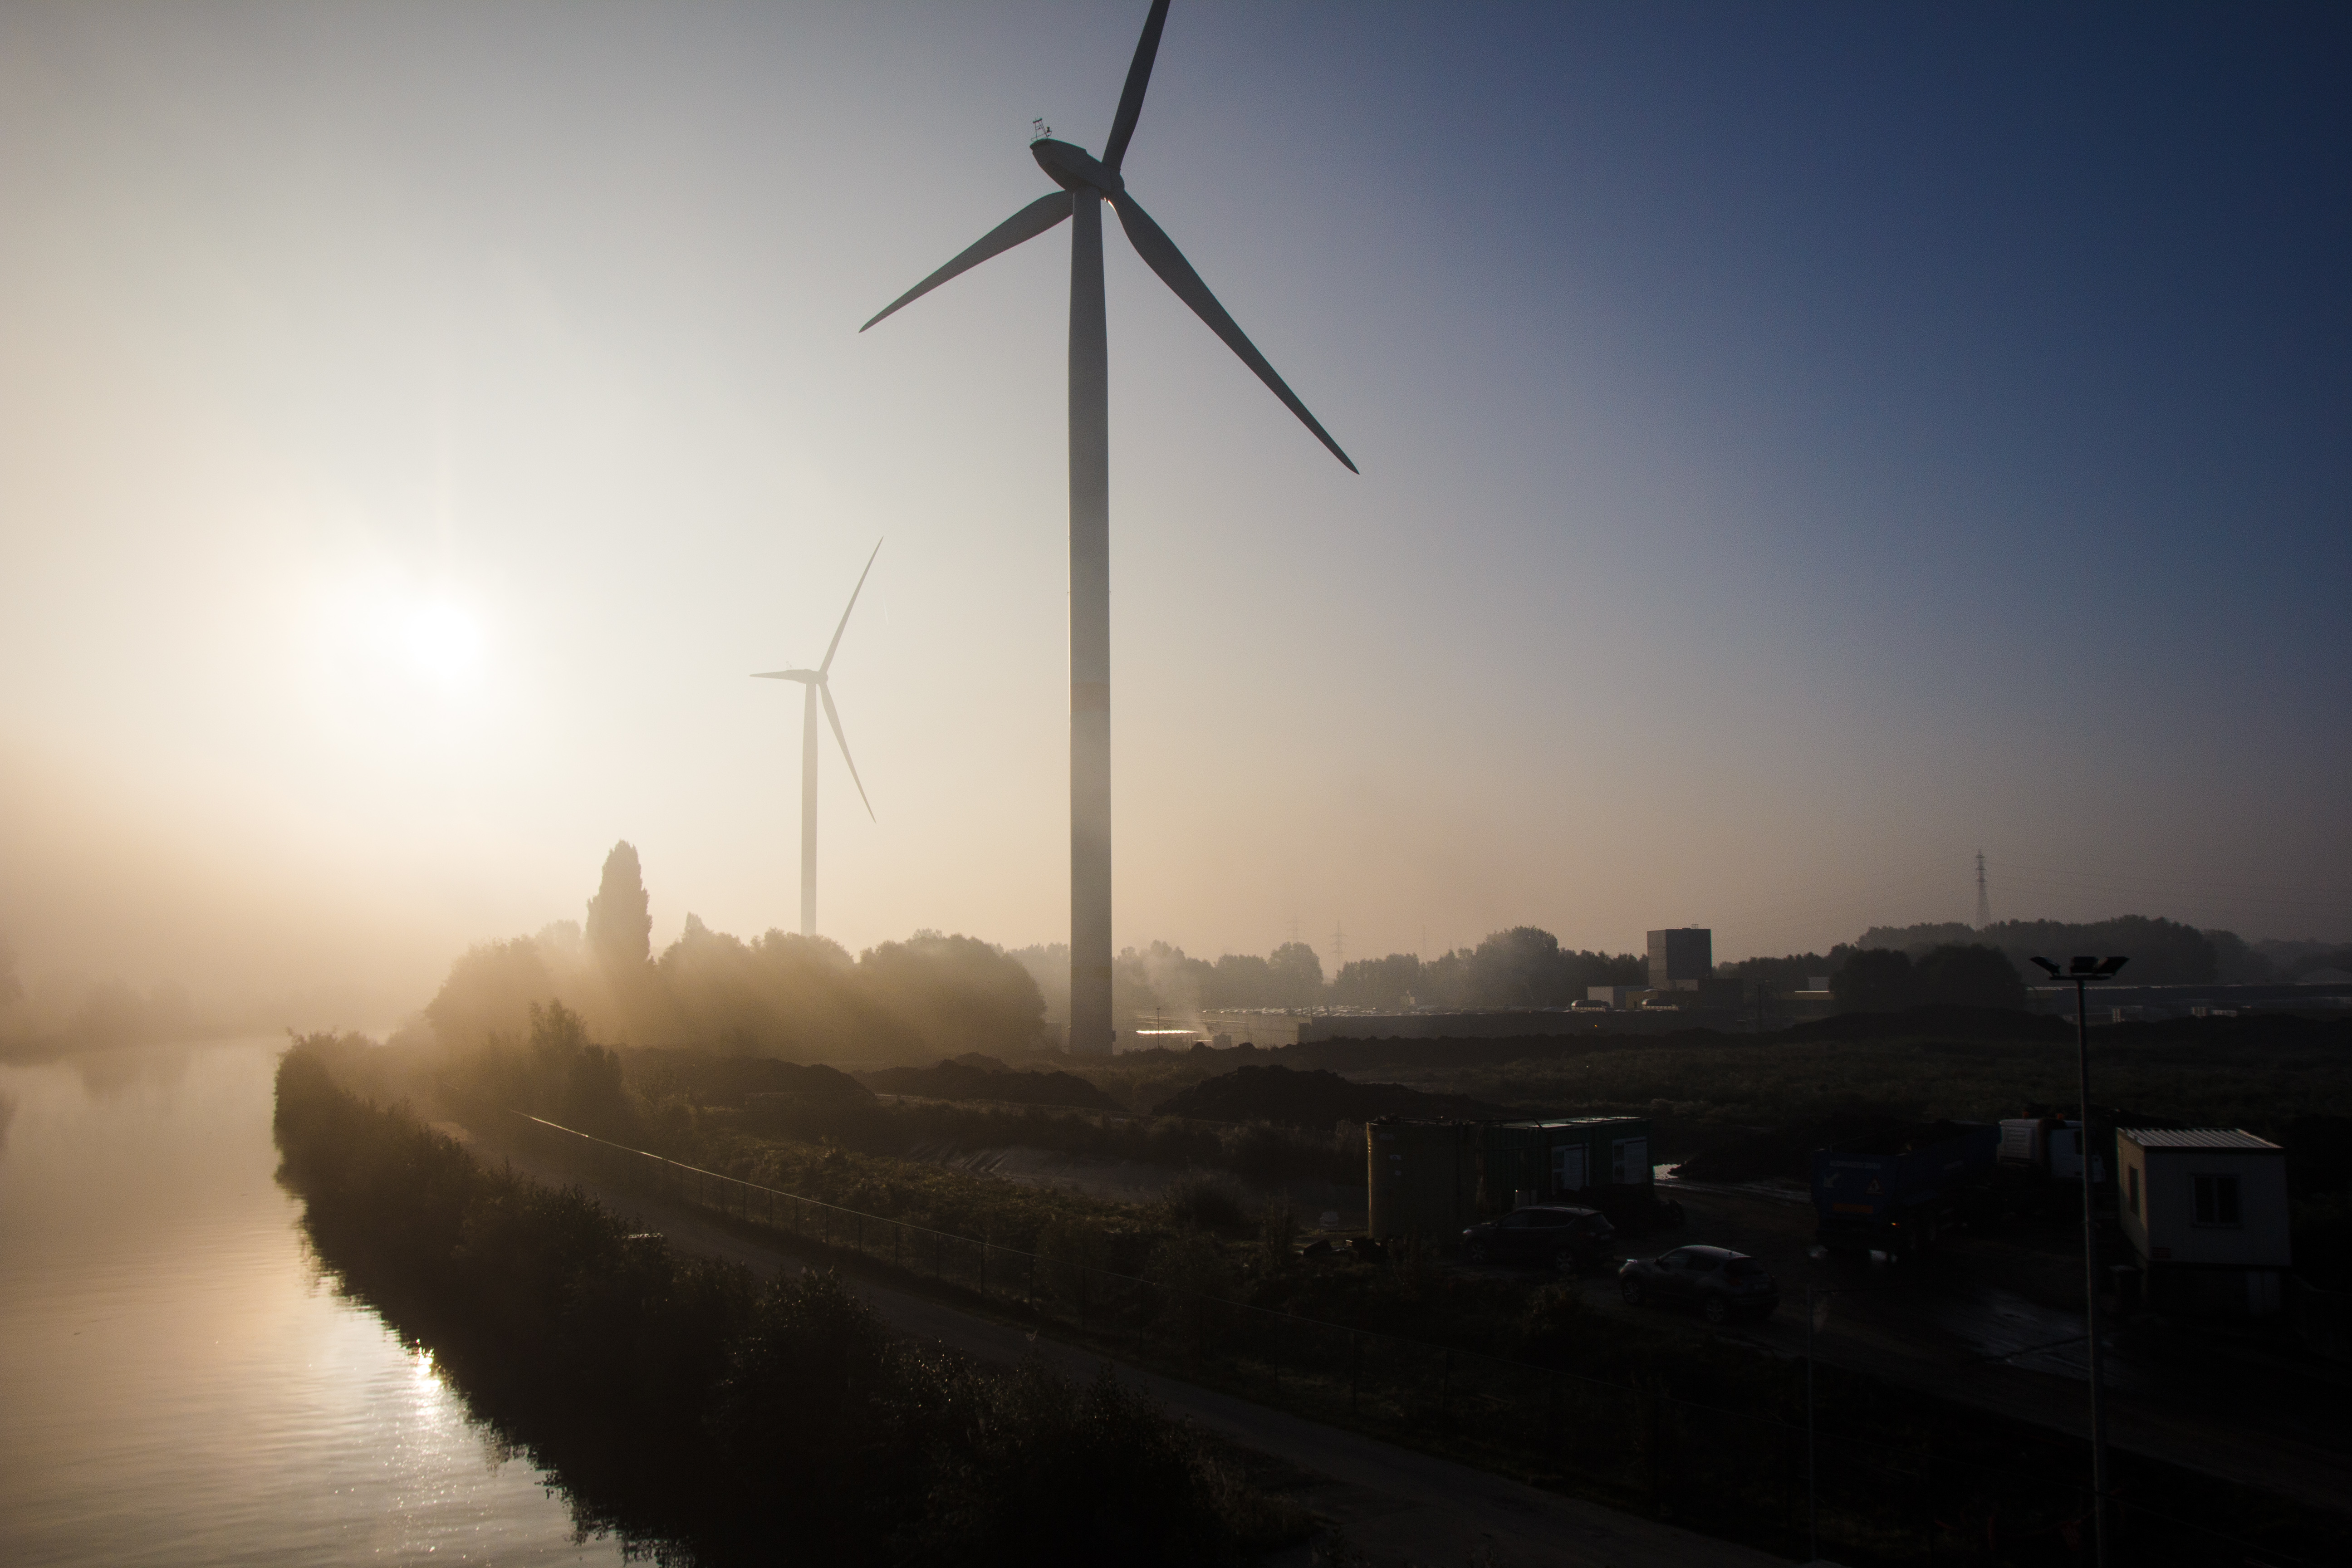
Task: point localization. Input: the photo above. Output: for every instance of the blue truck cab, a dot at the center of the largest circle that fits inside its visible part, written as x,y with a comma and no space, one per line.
1895,1191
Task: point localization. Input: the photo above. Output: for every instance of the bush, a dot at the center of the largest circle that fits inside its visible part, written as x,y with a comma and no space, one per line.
1209,1201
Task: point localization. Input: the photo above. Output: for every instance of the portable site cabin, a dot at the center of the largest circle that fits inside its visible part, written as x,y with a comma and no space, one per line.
2049,1145
1433,1178
2205,1210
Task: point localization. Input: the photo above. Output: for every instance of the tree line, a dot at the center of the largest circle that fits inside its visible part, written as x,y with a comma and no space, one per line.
779,994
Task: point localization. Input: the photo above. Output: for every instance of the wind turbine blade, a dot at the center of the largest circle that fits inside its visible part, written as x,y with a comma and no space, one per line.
826,692
803,676
1139,77
1027,224
1161,254
844,613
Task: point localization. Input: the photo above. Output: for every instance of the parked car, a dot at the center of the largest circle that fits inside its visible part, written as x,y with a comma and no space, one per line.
1556,1235
1721,1283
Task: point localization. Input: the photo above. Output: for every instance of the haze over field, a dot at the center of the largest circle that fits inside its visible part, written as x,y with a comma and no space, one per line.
1799,448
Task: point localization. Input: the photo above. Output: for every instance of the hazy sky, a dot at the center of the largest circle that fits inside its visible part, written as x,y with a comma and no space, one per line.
1801,445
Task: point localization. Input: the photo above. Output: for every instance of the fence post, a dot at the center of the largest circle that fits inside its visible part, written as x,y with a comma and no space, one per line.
1355,1363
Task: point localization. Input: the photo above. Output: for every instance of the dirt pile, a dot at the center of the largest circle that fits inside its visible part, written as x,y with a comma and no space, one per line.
1315,1100
714,1079
975,1076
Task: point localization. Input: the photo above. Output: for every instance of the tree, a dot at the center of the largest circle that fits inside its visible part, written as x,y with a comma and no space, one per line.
1298,975
1239,980
955,993
488,991
1383,982
620,917
1973,974
1876,980
1520,967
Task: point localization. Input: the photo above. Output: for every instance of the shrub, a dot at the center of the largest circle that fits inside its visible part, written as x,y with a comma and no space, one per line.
1210,1201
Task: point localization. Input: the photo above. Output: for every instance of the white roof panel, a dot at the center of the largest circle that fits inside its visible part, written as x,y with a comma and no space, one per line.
2195,1138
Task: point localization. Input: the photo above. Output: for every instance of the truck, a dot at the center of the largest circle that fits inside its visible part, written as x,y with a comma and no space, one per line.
1895,1191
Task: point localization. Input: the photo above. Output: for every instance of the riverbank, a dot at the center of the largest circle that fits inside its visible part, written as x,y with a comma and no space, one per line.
707,1413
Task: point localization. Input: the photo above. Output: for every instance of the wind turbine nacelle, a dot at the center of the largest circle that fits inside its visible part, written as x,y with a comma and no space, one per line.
1072,167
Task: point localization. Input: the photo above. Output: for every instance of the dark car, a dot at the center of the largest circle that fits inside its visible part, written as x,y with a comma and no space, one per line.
1721,1283
1556,1235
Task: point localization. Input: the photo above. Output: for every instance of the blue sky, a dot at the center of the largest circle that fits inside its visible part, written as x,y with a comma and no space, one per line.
1801,446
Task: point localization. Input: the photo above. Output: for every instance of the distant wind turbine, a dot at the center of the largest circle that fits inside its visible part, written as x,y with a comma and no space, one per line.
1086,184
817,692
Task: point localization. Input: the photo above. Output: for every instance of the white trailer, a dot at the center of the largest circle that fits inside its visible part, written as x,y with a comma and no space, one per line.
2205,1210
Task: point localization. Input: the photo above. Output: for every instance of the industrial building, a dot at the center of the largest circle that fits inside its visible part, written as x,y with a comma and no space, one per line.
1434,1178
1682,959
2205,1211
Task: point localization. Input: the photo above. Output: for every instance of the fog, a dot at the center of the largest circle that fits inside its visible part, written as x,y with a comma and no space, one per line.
1799,451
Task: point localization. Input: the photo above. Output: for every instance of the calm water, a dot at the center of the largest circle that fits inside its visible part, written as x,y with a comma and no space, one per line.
178,1383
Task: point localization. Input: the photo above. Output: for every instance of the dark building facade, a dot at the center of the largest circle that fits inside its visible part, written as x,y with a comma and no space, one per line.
1682,959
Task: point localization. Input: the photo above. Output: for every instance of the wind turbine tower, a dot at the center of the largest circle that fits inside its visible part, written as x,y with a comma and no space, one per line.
815,689
1984,901
1086,184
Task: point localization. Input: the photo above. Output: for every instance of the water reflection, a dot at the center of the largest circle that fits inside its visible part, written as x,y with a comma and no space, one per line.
180,1382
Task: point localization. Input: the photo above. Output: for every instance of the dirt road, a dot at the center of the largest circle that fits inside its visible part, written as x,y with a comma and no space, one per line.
1398,1507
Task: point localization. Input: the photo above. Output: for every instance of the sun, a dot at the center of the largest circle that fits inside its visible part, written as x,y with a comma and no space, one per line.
444,642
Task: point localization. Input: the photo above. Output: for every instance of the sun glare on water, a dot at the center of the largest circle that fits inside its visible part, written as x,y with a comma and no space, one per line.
444,642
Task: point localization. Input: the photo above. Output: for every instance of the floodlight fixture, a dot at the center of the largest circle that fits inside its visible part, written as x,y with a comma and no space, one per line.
2048,966
2083,965
2107,967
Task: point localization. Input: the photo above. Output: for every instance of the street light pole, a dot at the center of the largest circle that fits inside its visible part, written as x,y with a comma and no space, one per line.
1813,1483
2083,972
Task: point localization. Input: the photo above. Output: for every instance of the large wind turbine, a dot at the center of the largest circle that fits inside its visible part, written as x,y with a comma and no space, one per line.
818,691
1086,184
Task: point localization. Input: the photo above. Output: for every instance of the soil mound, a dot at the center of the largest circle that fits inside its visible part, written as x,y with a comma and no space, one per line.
1315,1100
961,1079
1945,1021
729,1080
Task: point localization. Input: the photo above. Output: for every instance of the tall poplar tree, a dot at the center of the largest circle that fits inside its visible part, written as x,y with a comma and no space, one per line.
620,917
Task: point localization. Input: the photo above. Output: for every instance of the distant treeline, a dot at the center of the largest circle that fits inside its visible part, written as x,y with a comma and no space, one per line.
687,1403
1521,967
778,994
934,996
2162,953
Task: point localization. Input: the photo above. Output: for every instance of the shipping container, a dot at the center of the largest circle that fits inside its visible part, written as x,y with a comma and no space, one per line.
1437,1178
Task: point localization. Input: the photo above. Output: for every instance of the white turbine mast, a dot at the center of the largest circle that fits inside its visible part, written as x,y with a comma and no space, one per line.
816,690
1084,184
